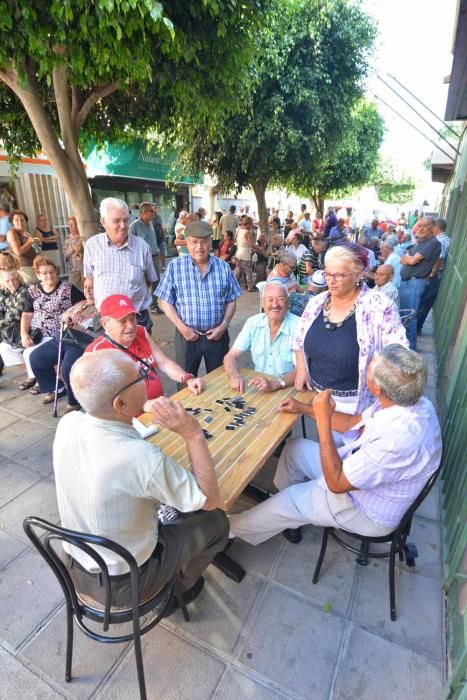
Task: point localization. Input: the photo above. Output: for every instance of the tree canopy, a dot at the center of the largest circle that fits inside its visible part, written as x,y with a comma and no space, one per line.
351,163
313,62
392,185
107,69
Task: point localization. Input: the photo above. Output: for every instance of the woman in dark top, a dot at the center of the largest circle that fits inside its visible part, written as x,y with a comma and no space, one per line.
341,329
40,321
49,239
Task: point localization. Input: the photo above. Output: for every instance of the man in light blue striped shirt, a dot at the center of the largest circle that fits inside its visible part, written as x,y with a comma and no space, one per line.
198,294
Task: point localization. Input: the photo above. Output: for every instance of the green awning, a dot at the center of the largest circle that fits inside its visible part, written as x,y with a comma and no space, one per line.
137,160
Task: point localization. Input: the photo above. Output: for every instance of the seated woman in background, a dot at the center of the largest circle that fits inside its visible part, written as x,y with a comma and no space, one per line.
82,317
341,330
40,321
49,239
284,272
14,299
22,245
73,252
224,250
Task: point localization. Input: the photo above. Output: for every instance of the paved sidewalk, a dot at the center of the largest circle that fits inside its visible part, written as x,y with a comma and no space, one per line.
275,635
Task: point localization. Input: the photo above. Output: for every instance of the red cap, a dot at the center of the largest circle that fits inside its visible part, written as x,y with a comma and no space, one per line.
117,306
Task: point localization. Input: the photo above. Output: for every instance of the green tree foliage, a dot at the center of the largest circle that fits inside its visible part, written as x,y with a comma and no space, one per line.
313,63
392,185
71,70
349,164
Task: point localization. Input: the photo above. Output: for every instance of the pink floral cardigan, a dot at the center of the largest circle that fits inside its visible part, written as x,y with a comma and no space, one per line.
378,324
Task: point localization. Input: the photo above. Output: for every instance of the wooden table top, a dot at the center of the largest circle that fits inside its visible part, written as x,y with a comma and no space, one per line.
238,454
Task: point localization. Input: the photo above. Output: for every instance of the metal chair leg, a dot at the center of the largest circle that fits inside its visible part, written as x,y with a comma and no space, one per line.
139,665
303,426
362,558
392,589
69,642
324,544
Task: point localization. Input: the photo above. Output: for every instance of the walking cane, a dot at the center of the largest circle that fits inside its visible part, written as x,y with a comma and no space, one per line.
59,361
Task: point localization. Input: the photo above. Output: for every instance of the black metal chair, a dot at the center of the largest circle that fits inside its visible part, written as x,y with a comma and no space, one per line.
397,538
79,606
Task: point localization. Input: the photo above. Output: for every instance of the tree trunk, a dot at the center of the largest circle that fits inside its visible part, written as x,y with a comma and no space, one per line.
259,188
76,186
318,201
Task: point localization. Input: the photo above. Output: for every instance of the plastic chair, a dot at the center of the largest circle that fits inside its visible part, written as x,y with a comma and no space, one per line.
406,316
397,538
80,606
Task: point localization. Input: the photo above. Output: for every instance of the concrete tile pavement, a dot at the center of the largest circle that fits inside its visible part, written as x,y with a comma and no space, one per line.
276,635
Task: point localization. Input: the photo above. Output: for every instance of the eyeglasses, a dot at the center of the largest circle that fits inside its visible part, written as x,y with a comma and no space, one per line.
336,276
143,374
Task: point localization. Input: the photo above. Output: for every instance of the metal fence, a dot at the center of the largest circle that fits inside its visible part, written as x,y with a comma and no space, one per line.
451,346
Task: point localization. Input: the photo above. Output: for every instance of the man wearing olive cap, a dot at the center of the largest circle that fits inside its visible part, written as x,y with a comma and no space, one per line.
198,293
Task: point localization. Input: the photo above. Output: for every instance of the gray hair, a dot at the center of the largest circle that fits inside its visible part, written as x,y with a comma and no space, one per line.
96,378
274,283
390,242
442,224
112,202
401,374
288,259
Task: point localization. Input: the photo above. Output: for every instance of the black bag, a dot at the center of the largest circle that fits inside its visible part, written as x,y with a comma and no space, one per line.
12,336
76,338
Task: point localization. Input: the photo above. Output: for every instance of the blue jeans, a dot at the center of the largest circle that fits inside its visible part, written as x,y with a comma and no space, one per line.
410,292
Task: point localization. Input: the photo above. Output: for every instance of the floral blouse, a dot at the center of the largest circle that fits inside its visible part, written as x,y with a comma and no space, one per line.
73,253
12,305
378,324
47,307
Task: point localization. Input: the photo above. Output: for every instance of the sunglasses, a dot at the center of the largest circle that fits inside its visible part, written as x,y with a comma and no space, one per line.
143,374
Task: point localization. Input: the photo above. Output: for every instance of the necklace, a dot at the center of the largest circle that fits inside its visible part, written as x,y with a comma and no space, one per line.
330,325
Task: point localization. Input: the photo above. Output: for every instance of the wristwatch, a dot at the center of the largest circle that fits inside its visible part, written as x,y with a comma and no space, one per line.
185,377
282,382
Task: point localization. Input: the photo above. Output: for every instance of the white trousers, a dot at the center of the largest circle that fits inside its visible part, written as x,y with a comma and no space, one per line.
27,354
303,498
11,356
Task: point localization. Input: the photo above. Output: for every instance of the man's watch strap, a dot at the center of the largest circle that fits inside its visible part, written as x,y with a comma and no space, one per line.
282,382
185,377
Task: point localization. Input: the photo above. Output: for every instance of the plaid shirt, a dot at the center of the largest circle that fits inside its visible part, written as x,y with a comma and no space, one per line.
199,300
124,270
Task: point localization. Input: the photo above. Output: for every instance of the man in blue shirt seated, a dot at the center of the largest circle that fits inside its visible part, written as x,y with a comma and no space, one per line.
269,337
198,294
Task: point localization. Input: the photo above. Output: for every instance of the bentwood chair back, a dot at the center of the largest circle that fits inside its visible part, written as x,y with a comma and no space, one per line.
79,607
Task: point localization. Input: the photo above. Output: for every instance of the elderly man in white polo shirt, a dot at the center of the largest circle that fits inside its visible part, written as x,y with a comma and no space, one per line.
366,486
110,482
269,337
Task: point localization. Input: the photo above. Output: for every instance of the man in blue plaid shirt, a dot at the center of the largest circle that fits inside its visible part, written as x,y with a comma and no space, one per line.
198,294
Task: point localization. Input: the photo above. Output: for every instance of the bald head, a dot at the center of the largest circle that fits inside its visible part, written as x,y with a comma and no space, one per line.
383,275
97,377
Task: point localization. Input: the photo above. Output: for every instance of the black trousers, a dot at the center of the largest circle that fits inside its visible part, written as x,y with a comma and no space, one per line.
43,361
143,318
427,300
189,355
187,545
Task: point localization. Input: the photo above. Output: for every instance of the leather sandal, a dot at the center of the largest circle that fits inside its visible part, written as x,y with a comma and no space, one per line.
35,390
50,397
27,384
